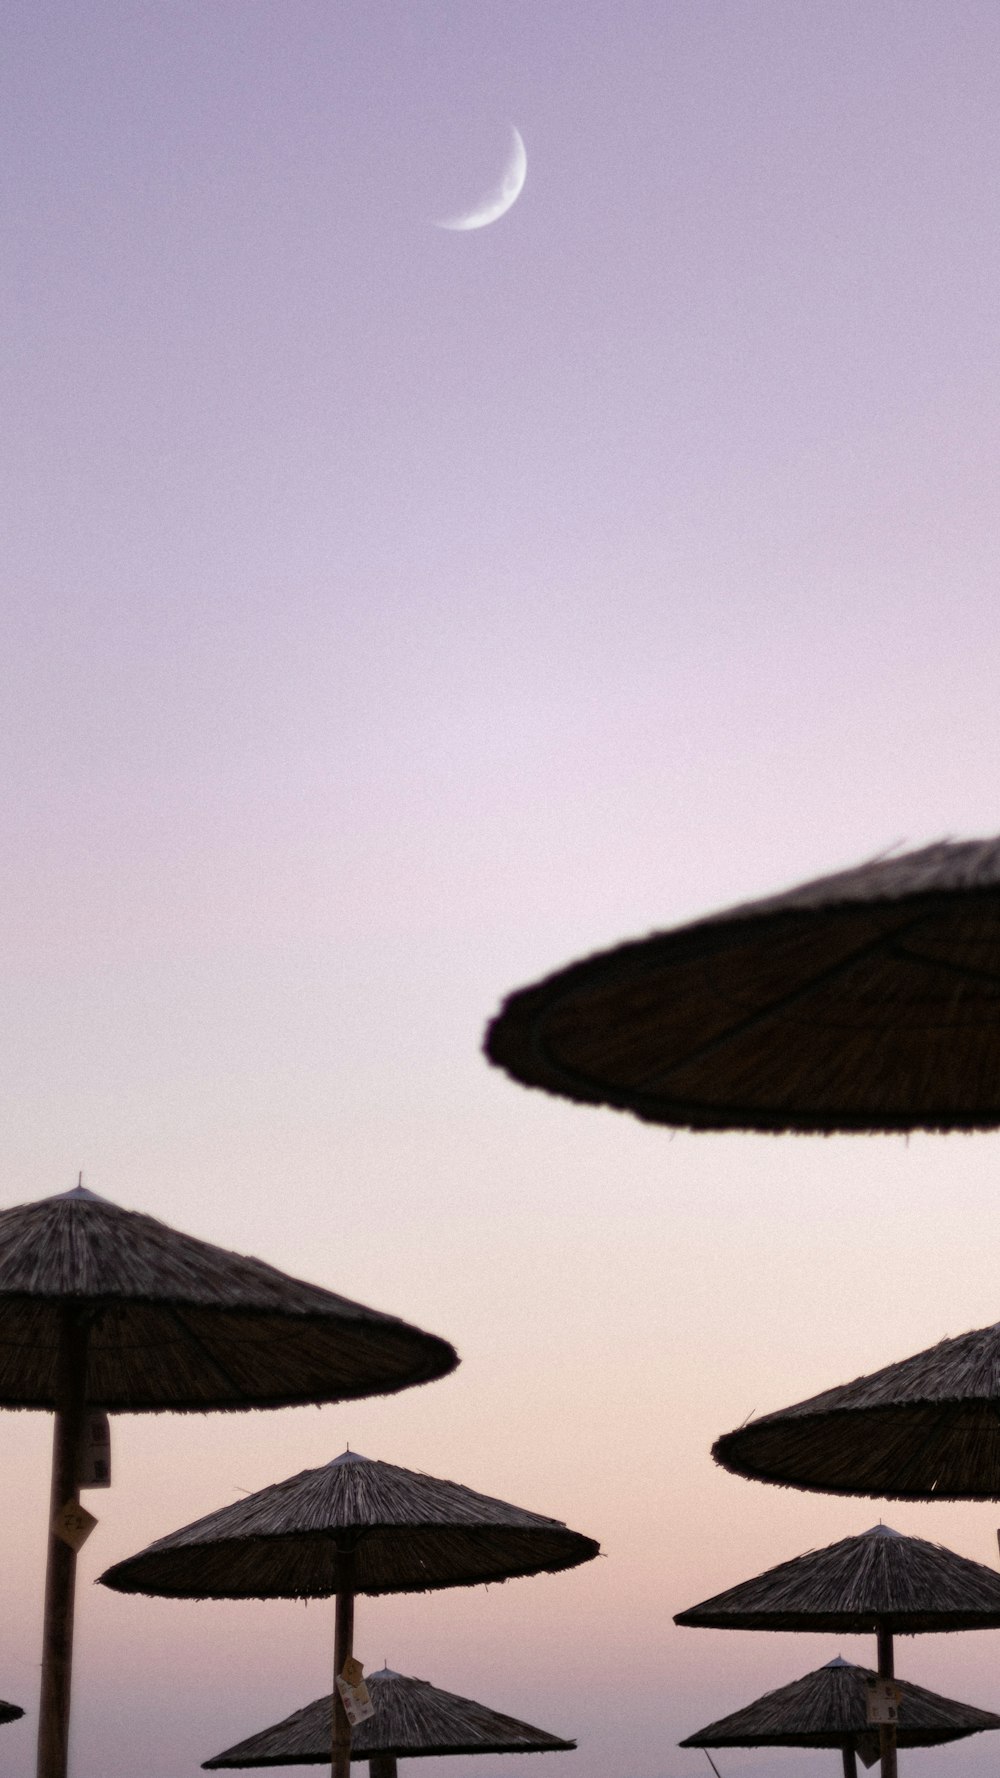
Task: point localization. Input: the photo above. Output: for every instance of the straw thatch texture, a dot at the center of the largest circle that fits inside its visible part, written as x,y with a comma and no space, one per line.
869,1000
828,1708
410,1533
412,1720
179,1325
9,1712
927,1427
861,1583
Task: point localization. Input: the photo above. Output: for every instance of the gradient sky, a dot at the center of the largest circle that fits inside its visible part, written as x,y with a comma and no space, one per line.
390,615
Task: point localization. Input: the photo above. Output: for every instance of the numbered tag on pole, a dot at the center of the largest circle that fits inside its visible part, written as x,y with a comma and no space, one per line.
883,1701
94,1457
73,1523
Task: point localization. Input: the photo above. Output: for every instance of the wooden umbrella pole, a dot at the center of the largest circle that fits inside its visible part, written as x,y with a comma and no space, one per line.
850,1762
60,1573
343,1648
887,1730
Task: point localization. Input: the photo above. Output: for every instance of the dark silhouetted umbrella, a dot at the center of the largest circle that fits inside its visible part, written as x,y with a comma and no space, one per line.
107,1308
868,1000
829,1708
926,1428
879,1581
412,1720
354,1526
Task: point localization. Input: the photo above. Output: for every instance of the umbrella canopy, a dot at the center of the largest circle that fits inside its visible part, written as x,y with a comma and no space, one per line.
879,1580
828,1708
925,1428
176,1324
412,1720
403,1533
868,1000
9,1712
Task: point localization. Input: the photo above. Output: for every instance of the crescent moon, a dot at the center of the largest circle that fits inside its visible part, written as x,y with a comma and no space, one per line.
497,202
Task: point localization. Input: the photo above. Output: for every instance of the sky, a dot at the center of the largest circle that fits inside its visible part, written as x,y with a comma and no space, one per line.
391,615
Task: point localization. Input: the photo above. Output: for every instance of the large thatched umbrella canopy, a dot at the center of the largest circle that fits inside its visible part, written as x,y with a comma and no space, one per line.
175,1324
106,1308
926,1428
9,1712
878,1581
397,1530
354,1526
413,1719
828,1708
868,1000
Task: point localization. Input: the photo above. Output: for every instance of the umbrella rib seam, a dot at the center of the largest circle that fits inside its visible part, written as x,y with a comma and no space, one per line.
760,1015
211,1358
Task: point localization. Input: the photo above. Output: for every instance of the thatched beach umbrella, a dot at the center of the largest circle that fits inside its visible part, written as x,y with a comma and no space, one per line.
879,1582
9,1712
868,1000
104,1308
829,1708
412,1720
926,1428
353,1526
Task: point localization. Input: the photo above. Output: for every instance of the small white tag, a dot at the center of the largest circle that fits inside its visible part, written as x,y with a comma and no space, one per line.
883,1700
73,1523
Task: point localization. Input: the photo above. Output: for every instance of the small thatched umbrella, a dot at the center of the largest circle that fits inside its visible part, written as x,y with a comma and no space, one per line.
828,1708
868,1000
354,1526
927,1428
879,1581
105,1308
412,1720
9,1712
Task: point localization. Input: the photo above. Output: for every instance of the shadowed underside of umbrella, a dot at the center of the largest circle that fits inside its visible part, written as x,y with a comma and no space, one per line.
9,1712
926,1428
828,1708
878,1580
868,1000
412,1720
404,1532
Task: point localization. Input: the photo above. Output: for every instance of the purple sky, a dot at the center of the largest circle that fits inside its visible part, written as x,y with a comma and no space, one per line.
390,615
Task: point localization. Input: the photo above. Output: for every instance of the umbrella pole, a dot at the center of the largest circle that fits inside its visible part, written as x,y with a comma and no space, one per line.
343,1648
60,1573
887,1730
850,1762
